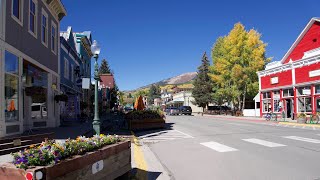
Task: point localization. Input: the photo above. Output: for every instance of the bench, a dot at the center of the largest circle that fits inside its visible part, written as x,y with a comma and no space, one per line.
14,144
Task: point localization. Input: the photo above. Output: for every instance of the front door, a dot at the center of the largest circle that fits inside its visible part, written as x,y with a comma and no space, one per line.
289,108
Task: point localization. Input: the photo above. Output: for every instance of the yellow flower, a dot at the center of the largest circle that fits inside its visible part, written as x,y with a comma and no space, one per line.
32,146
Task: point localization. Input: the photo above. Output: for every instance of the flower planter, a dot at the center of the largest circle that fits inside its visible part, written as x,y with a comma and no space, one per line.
108,162
302,120
146,124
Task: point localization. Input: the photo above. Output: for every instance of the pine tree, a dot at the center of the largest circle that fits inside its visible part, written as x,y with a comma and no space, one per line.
104,67
202,91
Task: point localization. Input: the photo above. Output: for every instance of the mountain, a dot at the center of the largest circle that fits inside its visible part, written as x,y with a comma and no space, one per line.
180,79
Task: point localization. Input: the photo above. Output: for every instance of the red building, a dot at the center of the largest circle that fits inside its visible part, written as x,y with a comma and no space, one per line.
292,85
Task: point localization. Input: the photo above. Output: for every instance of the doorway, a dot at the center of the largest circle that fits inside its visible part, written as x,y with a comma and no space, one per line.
289,108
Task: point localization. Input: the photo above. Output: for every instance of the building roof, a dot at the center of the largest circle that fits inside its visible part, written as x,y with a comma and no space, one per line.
305,30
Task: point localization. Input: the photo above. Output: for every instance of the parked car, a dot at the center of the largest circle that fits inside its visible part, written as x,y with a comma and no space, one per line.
185,110
172,111
38,111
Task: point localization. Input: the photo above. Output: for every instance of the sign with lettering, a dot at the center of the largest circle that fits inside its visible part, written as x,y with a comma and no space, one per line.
274,80
314,73
306,91
97,166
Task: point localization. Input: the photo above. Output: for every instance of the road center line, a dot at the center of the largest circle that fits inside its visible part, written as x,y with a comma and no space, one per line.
218,147
316,141
264,143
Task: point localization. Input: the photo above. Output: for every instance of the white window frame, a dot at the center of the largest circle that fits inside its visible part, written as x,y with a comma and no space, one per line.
287,90
34,34
45,14
72,76
53,49
20,19
66,68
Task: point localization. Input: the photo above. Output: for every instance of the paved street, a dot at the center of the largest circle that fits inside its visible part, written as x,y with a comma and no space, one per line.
203,147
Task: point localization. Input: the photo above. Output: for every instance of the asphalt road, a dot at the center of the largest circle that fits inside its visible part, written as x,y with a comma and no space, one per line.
214,148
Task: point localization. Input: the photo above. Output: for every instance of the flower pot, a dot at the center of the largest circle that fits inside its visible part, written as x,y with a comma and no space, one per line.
108,162
302,120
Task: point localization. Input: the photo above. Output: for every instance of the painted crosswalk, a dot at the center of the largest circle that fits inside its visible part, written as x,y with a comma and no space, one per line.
263,142
165,135
218,147
222,147
316,141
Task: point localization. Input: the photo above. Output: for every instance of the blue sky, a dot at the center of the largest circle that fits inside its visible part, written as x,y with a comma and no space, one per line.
146,41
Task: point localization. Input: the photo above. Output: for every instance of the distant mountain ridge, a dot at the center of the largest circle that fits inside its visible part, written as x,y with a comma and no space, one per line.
180,79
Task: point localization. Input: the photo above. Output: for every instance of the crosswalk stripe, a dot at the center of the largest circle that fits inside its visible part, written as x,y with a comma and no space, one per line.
316,141
263,142
218,147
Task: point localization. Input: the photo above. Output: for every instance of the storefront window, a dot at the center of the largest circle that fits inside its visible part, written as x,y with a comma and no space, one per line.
287,92
304,104
304,91
317,89
266,105
266,95
11,87
36,82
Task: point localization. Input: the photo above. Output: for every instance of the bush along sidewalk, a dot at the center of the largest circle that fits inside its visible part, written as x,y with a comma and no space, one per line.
54,159
145,119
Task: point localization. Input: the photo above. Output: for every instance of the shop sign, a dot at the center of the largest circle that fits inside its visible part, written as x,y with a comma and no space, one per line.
314,73
274,80
306,91
276,96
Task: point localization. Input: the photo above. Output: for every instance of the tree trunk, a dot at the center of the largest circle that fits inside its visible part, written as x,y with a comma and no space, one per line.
239,102
244,97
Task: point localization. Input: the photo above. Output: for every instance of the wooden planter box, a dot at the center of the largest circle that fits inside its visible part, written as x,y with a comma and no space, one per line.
145,124
109,162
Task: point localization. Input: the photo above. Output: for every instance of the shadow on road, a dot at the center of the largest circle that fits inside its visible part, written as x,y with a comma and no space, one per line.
139,174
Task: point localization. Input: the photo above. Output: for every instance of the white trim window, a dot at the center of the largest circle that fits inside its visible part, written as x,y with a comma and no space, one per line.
72,76
276,101
66,69
53,37
33,17
266,102
287,93
44,28
17,11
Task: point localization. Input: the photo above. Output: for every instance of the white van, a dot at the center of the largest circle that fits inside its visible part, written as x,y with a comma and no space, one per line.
38,111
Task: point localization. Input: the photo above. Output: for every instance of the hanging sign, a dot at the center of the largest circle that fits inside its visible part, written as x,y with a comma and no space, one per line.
306,91
314,73
274,80
85,83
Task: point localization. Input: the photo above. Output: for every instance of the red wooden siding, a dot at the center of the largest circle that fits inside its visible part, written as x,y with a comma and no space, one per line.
284,79
311,40
302,74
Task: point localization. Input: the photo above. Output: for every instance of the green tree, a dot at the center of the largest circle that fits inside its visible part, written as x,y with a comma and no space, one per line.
141,92
154,92
104,67
236,59
202,91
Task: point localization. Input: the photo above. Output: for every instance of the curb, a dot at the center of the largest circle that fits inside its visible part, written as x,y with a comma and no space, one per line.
139,159
297,124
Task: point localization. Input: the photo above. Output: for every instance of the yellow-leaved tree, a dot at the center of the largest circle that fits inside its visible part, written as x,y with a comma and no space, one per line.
236,59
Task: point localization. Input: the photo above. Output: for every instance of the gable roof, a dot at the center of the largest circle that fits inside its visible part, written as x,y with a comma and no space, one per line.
305,30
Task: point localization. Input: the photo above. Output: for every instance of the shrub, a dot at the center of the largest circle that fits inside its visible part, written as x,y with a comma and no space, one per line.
302,115
145,114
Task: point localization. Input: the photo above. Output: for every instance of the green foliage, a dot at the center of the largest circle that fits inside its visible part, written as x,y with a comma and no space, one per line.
236,59
142,92
154,92
302,115
144,114
202,91
104,67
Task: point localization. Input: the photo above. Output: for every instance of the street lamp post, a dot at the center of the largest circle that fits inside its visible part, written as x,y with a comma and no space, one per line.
95,48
